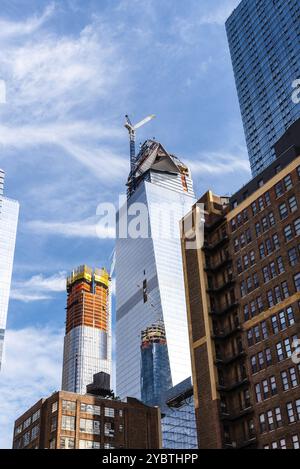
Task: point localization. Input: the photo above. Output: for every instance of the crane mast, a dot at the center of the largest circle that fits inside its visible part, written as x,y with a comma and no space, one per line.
132,137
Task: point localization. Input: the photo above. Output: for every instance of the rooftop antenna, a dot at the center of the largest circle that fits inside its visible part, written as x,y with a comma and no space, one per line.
132,136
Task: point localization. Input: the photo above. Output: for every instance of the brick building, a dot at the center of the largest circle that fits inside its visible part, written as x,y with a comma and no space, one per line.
243,296
72,421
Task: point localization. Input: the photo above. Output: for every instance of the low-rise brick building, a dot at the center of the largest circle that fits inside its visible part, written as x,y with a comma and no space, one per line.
73,421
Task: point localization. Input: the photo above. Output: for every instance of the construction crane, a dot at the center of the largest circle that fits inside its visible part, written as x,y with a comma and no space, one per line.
132,136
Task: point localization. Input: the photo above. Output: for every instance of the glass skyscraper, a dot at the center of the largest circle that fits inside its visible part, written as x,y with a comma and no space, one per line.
155,364
264,41
9,213
149,271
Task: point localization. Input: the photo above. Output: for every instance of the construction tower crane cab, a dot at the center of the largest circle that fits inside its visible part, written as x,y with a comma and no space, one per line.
132,136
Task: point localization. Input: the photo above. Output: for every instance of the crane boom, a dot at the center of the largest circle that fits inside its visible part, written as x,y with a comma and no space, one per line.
132,136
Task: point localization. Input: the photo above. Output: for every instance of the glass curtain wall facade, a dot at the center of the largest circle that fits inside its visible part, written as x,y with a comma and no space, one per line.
264,41
9,213
155,364
149,272
179,429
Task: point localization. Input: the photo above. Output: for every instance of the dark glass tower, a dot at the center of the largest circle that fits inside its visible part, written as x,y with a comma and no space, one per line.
155,365
264,41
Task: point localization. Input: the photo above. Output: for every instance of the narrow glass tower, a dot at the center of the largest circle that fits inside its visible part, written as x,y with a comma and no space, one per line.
155,365
264,40
87,345
149,271
9,214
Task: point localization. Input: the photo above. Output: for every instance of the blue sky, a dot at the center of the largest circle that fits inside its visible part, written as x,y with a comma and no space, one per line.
73,69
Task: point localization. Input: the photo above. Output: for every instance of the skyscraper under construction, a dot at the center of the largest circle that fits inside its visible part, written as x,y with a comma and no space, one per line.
155,365
87,345
149,272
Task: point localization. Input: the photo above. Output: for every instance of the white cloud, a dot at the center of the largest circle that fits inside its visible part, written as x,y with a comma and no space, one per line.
9,29
38,287
54,84
215,163
89,228
31,371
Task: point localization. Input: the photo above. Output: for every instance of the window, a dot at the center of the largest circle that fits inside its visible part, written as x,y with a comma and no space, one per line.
262,251
271,219
67,443
35,432
282,321
265,225
262,423
271,423
273,270
68,423
273,385
26,439
261,360
90,409
68,406
293,204
54,407
257,334
260,304
254,208
298,408
280,354
250,337
288,348
293,256
266,274
283,211
290,316
87,444
285,290
276,241
53,426
290,412
279,189
268,356
278,297
270,299
246,313
295,440
18,430
283,443
90,426
297,227
267,198
27,423
109,429
288,233
275,325
258,393
109,412
36,416
297,282
254,364
264,330
288,184
265,385
257,229
285,381
280,265
278,417
294,378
